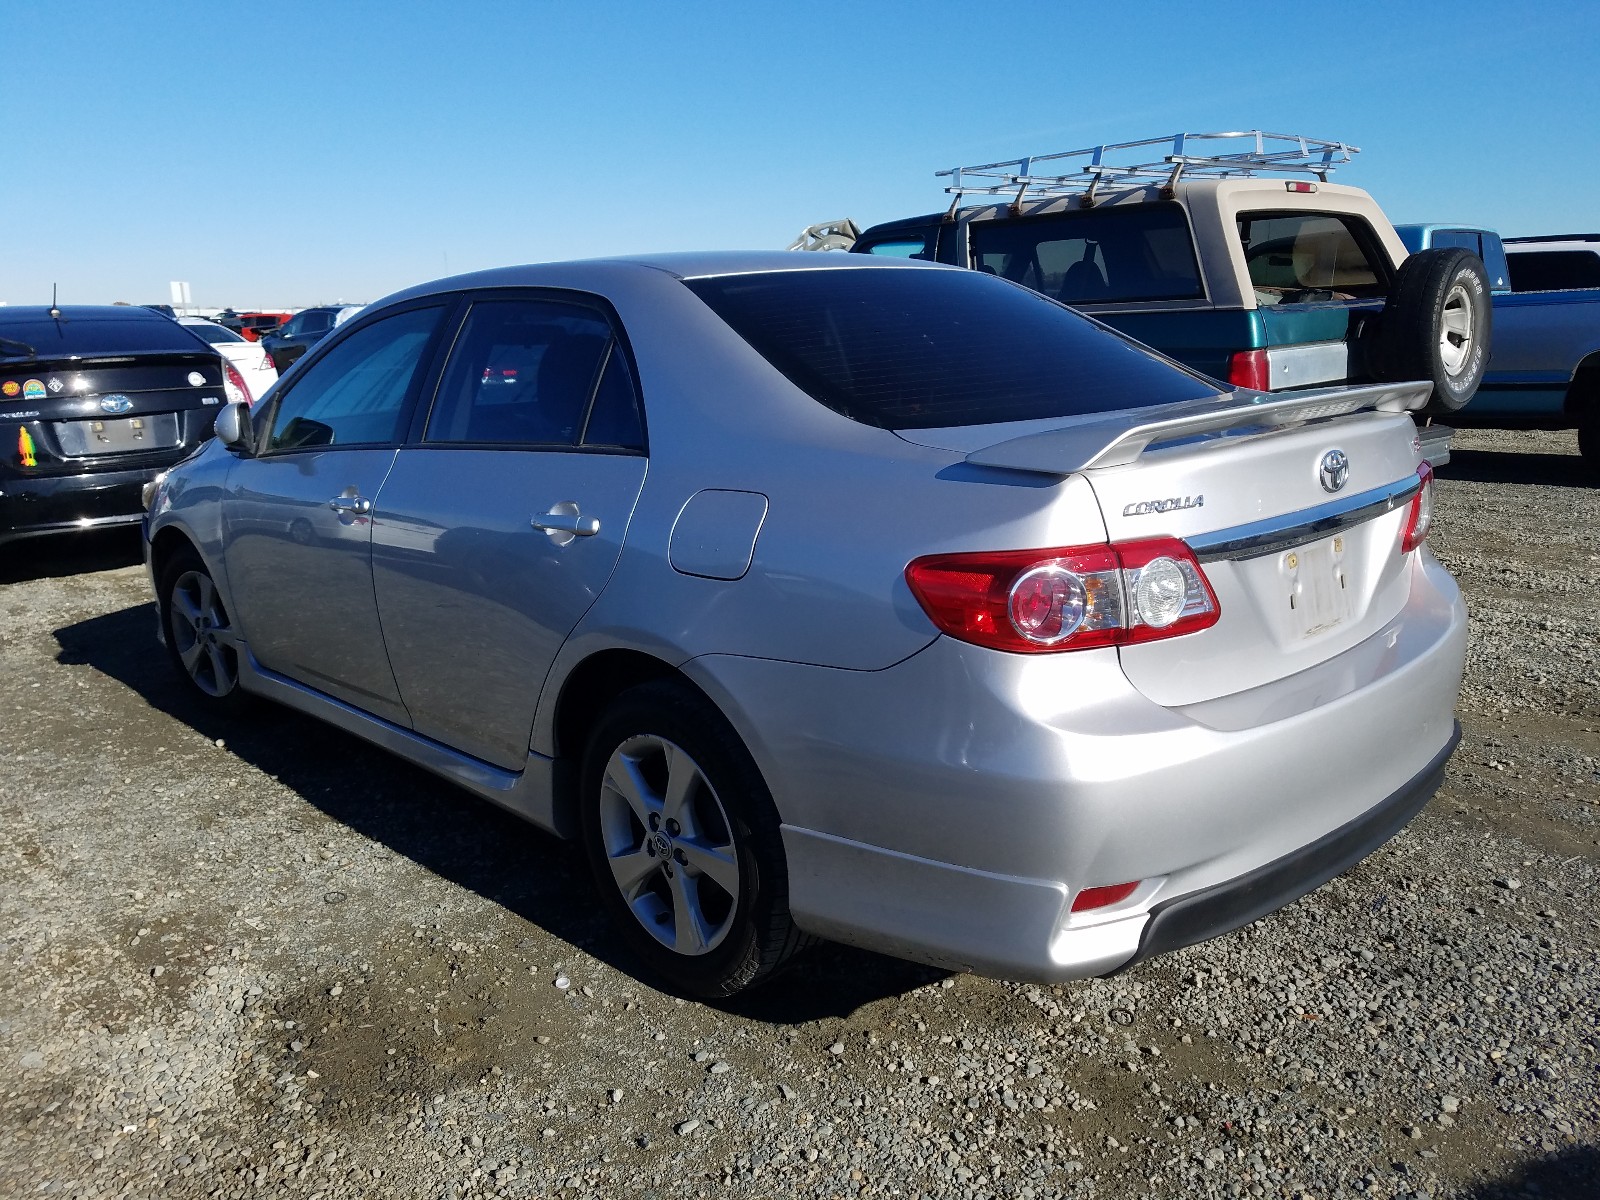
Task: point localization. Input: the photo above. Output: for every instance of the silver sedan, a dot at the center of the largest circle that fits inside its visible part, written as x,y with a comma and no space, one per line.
839,597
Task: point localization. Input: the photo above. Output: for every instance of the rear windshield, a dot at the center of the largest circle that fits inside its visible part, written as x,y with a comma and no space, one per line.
1094,255
214,333
90,337
924,348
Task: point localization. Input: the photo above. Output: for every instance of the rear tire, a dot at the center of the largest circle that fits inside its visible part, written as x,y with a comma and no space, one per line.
1436,326
682,839
1589,438
201,642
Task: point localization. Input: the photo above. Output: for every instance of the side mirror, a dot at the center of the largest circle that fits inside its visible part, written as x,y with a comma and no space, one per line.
233,427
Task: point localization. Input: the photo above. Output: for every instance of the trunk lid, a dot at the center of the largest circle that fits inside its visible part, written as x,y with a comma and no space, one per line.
1300,573
64,415
1294,507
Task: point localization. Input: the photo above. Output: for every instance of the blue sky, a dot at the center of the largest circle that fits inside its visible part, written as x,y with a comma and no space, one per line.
289,154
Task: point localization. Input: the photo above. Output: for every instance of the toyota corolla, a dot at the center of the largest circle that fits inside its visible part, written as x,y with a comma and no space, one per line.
837,597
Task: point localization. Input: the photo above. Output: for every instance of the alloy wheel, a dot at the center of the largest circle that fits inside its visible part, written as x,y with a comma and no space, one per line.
669,844
202,635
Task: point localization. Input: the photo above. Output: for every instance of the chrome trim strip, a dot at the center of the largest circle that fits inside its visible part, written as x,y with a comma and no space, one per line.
1275,534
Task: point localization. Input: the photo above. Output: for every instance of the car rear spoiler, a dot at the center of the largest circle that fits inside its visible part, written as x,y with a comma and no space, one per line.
1114,440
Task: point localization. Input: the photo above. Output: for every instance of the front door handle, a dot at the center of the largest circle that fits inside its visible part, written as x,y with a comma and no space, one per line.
350,503
565,521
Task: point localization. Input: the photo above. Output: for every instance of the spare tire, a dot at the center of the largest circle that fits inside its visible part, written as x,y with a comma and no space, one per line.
1435,326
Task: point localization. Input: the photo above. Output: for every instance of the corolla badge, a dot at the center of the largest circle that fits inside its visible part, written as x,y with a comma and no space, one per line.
116,404
1334,470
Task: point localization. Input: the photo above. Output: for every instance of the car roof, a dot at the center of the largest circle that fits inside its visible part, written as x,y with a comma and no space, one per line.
679,265
34,313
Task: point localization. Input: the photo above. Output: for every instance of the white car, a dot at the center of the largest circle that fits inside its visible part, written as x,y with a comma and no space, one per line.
248,358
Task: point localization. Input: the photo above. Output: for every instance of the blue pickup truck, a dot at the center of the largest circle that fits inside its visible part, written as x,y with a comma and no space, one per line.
1544,362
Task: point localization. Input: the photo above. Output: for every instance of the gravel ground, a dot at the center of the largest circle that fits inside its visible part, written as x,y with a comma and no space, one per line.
262,957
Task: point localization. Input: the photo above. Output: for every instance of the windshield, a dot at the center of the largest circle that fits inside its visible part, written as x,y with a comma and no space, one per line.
927,348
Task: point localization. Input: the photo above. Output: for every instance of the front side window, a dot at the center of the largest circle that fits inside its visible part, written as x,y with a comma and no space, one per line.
923,347
1095,255
355,394
523,373
1303,258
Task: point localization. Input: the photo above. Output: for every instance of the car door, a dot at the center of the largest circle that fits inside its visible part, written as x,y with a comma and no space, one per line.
502,520
297,515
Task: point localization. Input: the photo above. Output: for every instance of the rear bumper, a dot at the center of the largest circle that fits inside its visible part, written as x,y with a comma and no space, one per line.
31,507
1209,913
948,809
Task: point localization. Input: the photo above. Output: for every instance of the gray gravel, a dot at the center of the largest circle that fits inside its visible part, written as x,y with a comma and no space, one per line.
263,958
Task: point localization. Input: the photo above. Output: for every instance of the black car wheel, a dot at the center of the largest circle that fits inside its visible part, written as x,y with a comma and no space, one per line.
1435,326
200,637
682,838
1589,437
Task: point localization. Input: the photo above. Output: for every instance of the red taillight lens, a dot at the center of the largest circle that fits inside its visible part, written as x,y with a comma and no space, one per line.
1249,369
234,385
1419,517
1103,897
1034,601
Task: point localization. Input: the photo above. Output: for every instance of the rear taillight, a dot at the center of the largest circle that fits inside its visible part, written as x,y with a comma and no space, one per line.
1036,601
1250,369
1419,517
233,384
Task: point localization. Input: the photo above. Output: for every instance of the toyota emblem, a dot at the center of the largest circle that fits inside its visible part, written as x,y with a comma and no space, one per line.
1334,470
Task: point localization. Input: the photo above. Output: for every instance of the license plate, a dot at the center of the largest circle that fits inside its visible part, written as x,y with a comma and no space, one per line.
117,435
1320,592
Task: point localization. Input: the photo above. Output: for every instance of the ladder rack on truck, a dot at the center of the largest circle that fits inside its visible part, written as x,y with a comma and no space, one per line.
1261,153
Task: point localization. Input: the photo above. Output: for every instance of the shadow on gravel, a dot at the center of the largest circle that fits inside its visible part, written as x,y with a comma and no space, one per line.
448,831
1566,1174
71,554
1490,466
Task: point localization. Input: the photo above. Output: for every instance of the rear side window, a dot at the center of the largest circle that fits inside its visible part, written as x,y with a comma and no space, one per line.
1302,258
924,348
522,373
1457,239
355,394
1094,255
1553,270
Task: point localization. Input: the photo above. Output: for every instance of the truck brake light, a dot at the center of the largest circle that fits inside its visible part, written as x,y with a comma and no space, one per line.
1250,369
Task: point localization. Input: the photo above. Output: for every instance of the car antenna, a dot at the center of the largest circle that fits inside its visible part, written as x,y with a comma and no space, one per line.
55,313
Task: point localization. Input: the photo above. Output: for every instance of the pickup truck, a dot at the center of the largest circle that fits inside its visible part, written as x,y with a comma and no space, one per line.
1544,365
1210,255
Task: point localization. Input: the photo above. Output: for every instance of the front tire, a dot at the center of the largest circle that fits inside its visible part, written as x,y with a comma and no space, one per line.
682,838
201,642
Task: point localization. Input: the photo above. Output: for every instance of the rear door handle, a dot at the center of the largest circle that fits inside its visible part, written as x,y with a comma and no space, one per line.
350,503
565,521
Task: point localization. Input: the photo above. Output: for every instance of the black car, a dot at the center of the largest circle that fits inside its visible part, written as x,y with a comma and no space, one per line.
286,343
95,401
